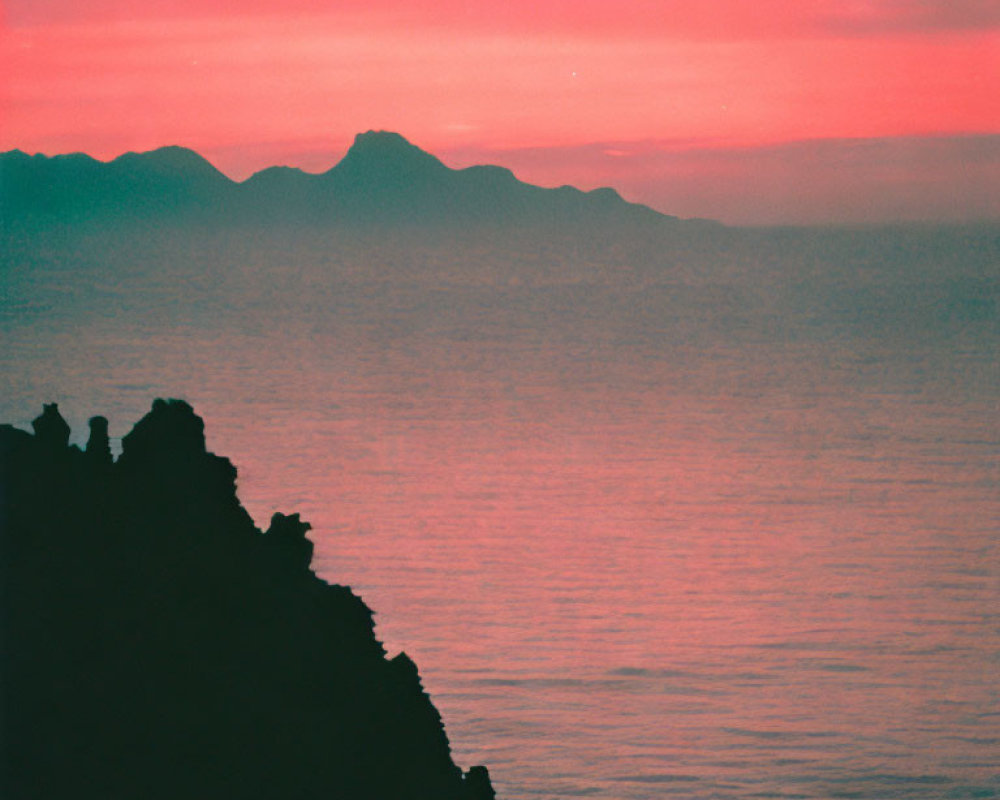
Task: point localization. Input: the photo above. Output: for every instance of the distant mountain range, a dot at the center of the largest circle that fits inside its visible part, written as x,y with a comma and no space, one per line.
383,178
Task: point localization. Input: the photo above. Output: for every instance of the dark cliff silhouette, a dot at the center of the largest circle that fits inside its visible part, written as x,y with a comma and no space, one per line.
383,178
156,644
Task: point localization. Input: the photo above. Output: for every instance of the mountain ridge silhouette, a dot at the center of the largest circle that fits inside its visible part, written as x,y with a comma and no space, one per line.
382,178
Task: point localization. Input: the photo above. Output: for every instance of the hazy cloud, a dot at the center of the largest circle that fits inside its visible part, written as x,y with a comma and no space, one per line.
724,20
911,16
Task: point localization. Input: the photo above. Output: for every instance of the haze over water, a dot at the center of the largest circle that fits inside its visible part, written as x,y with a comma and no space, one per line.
711,521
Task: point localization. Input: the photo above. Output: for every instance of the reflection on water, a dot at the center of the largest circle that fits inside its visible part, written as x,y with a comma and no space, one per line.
698,533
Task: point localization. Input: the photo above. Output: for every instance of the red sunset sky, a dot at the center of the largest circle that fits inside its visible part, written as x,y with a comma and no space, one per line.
746,111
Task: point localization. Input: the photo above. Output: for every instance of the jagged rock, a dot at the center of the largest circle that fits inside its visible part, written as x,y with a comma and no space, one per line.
287,538
99,445
477,781
50,428
170,430
157,645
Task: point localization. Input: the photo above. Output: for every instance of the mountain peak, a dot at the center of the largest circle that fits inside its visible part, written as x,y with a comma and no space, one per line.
377,153
381,138
171,159
383,143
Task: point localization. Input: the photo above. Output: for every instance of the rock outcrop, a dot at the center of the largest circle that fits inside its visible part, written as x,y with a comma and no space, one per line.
158,645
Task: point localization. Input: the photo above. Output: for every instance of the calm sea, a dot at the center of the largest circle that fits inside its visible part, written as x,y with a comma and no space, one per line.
712,522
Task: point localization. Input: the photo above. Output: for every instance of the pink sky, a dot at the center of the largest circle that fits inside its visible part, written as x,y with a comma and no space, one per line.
744,111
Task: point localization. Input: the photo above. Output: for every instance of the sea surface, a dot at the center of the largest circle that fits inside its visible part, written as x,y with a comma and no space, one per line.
717,521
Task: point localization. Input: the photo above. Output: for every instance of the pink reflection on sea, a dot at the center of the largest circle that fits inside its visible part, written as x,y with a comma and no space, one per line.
664,592
706,541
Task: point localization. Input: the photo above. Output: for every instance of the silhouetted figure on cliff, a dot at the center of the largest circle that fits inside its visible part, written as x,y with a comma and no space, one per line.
157,645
